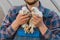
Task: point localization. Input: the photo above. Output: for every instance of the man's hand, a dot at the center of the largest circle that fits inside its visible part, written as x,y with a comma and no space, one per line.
38,21
20,19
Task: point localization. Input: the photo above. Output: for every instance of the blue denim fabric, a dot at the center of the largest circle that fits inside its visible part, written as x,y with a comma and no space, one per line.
26,38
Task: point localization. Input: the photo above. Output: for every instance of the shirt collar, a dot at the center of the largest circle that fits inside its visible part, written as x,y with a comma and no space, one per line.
40,6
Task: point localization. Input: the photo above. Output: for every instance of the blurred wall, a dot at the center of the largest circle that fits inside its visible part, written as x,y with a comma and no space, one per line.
1,15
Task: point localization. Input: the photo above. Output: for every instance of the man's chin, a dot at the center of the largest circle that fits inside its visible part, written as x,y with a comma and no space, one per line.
31,3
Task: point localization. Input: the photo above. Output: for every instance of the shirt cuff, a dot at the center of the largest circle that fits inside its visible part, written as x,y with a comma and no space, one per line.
10,30
48,34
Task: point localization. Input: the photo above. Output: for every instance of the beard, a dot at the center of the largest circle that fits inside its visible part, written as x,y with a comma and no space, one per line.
31,3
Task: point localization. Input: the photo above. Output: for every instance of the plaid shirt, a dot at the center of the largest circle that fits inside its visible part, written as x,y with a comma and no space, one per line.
50,18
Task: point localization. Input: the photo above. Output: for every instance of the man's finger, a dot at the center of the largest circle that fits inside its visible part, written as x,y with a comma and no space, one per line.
25,19
26,16
36,15
21,13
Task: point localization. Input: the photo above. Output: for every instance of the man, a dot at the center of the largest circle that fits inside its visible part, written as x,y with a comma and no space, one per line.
48,27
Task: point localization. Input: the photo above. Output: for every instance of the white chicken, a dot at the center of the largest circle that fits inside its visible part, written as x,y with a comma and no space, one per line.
25,26
34,11
30,28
